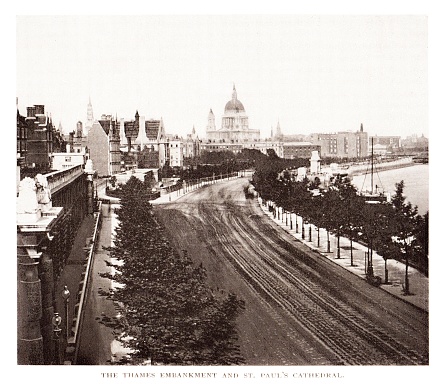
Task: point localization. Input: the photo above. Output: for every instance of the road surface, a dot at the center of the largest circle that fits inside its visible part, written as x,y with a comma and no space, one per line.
301,309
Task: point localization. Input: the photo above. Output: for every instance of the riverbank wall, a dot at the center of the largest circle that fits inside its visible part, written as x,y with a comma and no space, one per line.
382,166
365,167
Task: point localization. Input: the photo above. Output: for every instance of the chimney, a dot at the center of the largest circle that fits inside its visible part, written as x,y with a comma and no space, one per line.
31,111
39,109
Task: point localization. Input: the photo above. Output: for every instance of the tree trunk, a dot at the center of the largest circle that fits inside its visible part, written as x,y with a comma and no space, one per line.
328,241
406,286
339,246
351,252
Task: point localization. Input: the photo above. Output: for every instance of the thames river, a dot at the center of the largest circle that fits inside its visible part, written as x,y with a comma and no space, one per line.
416,183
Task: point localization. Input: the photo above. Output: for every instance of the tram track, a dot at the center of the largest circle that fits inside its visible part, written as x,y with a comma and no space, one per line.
297,284
333,322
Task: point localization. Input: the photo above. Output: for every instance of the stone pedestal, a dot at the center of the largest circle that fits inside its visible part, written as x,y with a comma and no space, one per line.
30,340
315,163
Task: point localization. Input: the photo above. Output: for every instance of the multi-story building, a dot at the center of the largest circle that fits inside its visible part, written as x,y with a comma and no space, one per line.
175,144
37,138
191,145
392,142
22,139
140,136
344,144
64,160
295,150
104,146
77,140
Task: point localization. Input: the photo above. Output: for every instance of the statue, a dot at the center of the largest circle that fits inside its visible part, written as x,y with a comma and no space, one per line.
27,198
89,167
43,192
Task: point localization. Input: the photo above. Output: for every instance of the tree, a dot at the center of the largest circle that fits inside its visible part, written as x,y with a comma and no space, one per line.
149,180
169,314
331,213
352,203
300,201
422,238
405,226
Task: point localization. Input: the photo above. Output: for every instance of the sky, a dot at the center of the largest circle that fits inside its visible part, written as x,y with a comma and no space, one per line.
320,73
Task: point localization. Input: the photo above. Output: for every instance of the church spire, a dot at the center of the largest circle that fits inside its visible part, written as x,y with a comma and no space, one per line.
278,134
89,116
234,94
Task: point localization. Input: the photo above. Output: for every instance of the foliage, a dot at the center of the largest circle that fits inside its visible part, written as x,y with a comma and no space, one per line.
339,209
169,314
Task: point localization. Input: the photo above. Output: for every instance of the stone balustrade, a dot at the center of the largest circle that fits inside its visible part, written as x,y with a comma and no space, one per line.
59,179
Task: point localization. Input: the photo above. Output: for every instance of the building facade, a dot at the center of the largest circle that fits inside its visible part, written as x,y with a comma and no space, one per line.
295,150
145,141
392,142
104,146
175,145
191,145
37,139
64,160
235,135
342,144
235,127
49,210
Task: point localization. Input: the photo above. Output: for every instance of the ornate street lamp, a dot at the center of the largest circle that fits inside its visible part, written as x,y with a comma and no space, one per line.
65,295
56,322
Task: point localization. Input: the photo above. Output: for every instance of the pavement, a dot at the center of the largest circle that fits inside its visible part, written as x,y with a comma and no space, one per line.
71,274
418,282
164,198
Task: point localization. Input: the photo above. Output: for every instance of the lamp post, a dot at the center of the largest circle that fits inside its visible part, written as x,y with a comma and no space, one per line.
56,321
65,295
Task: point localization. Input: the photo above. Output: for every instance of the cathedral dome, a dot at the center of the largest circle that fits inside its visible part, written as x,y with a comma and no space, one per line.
234,105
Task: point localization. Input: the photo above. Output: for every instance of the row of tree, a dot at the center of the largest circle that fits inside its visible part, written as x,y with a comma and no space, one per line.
393,229
170,315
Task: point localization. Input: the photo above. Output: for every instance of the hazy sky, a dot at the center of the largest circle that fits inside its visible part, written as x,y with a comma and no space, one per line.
312,73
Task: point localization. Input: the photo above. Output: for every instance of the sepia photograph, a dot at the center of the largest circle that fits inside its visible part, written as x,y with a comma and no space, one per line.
207,197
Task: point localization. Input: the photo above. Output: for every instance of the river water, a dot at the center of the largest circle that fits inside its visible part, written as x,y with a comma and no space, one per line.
416,183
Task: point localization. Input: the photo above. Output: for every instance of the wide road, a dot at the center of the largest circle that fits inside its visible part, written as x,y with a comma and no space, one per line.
301,309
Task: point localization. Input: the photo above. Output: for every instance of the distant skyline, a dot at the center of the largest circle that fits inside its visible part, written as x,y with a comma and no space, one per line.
310,73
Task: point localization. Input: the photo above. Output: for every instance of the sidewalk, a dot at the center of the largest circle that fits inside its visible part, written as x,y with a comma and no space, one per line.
71,275
418,282
168,197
